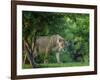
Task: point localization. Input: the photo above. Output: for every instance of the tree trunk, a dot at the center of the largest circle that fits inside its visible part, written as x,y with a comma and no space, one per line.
30,54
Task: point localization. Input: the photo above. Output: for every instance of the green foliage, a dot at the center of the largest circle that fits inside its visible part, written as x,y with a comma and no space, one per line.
74,27
72,64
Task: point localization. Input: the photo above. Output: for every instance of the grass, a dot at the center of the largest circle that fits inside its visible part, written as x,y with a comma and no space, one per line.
71,64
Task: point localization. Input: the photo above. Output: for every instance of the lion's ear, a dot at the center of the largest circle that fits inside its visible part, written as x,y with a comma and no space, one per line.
57,35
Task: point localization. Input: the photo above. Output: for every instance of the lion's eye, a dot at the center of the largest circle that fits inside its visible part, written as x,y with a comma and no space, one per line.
60,40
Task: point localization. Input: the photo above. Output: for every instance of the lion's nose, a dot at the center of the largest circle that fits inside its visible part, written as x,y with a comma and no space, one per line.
62,45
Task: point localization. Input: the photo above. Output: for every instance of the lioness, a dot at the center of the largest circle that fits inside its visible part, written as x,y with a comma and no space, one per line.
46,44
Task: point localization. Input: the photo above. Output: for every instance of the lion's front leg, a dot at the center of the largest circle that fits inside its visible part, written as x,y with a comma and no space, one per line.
58,57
